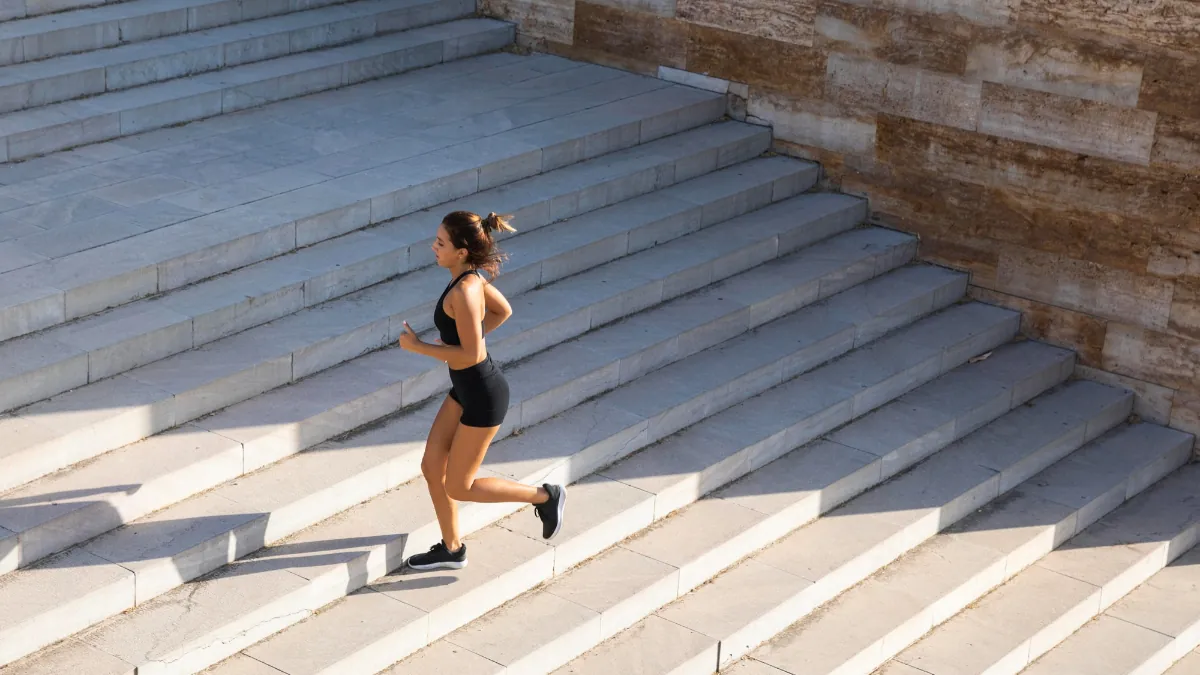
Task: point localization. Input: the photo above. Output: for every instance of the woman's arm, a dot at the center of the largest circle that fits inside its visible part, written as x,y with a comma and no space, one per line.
496,308
467,303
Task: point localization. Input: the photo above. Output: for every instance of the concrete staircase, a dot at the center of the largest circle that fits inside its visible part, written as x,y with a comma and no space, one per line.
791,447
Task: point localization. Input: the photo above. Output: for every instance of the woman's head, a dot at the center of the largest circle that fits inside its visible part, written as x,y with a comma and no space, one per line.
465,238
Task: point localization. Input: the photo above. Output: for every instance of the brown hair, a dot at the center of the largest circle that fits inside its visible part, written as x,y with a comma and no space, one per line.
467,230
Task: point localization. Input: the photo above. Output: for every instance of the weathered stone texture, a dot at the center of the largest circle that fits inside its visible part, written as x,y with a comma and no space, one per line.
921,40
1049,63
1163,358
643,40
781,66
1082,332
1085,287
1173,24
983,12
1074,124
1051,148
1169,85
903,90
539,19
782,20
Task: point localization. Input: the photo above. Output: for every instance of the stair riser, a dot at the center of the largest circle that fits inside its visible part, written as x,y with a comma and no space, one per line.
261,303
234,52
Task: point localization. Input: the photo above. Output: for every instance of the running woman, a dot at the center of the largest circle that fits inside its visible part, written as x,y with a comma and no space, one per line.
472,413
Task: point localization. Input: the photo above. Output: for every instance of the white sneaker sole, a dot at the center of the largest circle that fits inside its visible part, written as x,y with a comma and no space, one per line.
437,566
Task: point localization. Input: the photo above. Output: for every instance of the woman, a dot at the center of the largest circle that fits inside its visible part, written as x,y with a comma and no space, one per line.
472,413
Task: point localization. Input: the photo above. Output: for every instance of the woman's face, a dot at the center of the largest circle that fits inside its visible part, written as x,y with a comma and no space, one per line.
444,251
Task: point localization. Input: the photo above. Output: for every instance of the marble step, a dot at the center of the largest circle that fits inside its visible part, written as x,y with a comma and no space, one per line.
194,537
88,350
686,556
1054,597
33,30
794,578
58,126
1188,665
67,77
404,512
127,407
75,505
1144,633
397,615
874,621
424,166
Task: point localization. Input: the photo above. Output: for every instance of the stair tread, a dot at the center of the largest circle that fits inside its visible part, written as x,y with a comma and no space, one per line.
1045,602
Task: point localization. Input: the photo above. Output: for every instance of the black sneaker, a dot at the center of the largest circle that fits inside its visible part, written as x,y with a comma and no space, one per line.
439,558
551,512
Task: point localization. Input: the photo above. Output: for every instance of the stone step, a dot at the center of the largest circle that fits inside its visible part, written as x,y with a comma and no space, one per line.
405,512
75,505
71,355
126,408
67,77
791,579
365,633
631,588
194,537
1144,633
411,172
874,621
38,131
58,27
1188,665
1054,597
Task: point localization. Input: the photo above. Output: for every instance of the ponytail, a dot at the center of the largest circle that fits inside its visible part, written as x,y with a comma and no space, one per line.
495,223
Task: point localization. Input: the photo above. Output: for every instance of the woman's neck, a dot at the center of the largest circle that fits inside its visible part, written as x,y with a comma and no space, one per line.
459,270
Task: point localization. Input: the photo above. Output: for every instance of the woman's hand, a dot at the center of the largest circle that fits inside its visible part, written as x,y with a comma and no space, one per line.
409,340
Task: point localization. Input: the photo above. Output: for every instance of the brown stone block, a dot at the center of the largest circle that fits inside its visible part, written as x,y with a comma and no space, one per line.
1185,309
1177,143
981,12
1085,287
1176,252
1152,402
1067,123
1169,198
1055,325
1185,412
783,20
538,19
922,40
636,41
905,91
659,7
1170,360
1174,24
782,66
1171,84
814,122
979,257
1054,64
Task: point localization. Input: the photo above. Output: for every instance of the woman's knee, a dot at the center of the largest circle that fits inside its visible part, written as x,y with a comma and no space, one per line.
433,465
459,491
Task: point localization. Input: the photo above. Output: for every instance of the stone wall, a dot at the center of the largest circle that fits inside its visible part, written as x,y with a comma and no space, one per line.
1050,147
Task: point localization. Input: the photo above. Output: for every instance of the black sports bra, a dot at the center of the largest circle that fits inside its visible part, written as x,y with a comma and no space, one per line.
446,326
